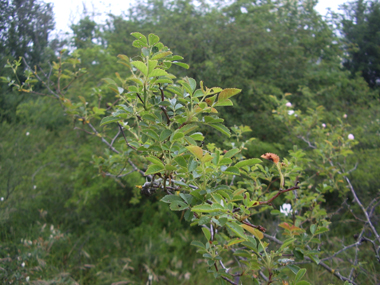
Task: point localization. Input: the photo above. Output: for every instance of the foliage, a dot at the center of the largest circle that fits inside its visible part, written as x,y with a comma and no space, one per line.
360,25
168,137
157,121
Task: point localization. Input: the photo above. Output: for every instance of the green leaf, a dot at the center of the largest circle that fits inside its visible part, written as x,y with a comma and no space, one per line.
293,268
157,72
161,54
178,206
238,230
154,168
207,233
300,274
207,208
151,65
186,197
196,151
232,170
189,128
232,152
164,80
140,37
109,81
314,258
315,240
176,136
313,227
198,244
197,136
227,93
190,141
108,120
303,282
193,84
181,64
321,230
153,39
181,161
226,102
99,111
155,160
165,134
140,66
169,167
152,134
198,93
287,242
225,160
139,44
221,128
247,162
171,198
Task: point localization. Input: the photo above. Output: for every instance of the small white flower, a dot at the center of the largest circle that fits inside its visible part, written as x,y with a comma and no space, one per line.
290,112
34,187
27,278
345,116
23,264
288,104
27,133
351,137
323,125
2,198
286,209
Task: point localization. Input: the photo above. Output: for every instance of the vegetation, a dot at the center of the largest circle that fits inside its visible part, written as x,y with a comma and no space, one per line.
114,160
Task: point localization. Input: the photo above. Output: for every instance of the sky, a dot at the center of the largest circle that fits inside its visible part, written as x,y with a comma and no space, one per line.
68,11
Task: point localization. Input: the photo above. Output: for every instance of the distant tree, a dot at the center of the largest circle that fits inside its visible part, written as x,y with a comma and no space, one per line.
361,29
25,26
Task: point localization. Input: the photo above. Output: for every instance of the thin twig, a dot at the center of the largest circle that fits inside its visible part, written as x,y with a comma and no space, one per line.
166,114
118,133
39,78
125,138
138,95
278,194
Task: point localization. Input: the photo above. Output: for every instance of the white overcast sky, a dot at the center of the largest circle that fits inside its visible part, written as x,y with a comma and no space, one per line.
68,11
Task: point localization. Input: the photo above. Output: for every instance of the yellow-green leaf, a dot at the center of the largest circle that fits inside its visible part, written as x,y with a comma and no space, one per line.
196,151
253,231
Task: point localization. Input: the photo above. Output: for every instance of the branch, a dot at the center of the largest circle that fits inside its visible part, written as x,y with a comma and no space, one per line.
362,207
39,78
308,260
166,114
138,95
118,133
125,138
278,194
308,142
